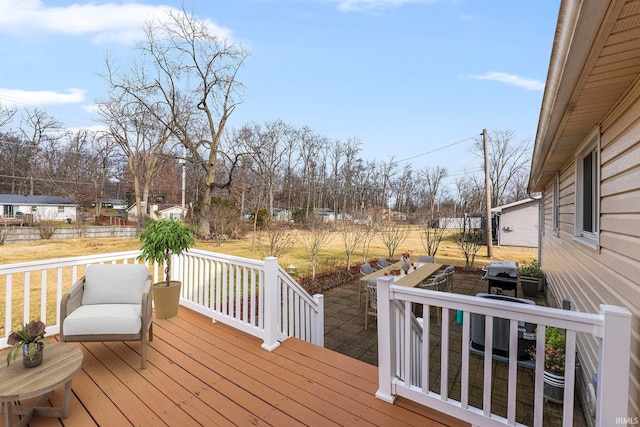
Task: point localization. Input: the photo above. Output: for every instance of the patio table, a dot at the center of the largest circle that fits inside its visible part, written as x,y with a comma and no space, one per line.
412,279
60,363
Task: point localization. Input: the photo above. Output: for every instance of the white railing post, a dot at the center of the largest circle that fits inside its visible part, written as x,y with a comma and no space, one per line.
271,305
317,322
613,366
386,362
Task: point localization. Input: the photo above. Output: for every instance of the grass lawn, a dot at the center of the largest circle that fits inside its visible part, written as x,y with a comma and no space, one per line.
332,254
331,258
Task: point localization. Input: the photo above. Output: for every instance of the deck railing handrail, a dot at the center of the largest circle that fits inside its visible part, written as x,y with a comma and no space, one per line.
404,370
245,293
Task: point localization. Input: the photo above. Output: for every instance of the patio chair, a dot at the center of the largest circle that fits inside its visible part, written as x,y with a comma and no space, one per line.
382,263
112,302
448,272
371,301
439,283
365,269
426,258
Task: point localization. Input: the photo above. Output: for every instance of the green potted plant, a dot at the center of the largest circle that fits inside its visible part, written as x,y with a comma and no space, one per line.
554,359
531,277
30,340
160,240
554,364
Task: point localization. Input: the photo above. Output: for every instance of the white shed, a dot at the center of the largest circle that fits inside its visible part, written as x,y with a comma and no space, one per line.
517,223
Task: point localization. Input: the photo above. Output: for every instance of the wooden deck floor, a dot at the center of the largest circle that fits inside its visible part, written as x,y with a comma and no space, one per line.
201,373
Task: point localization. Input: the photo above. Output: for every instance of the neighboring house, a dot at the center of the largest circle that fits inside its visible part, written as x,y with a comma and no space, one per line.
159,211
117,204
168,211
517,223
41,207
282,215
586,163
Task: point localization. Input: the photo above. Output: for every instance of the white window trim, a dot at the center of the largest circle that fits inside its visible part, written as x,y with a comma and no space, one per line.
555,206
591,239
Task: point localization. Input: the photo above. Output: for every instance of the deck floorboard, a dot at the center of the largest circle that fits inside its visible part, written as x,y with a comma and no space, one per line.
201,373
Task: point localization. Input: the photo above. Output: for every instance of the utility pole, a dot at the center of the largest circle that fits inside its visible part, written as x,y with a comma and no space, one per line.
184,178
487,185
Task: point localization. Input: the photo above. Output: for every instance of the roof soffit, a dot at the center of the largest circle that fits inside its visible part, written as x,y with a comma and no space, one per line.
585,79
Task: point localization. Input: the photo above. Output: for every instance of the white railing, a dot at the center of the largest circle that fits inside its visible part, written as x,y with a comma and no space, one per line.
257,297
405,371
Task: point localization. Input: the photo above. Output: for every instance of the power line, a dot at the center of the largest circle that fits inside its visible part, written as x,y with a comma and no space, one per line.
436,149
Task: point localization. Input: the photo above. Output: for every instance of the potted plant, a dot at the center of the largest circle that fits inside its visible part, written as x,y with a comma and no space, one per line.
30,339
531,277
160,240
554,359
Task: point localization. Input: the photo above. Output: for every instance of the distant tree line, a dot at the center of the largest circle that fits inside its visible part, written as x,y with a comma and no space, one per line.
167,113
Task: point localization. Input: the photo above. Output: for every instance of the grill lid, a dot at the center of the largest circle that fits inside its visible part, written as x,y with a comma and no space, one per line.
503,269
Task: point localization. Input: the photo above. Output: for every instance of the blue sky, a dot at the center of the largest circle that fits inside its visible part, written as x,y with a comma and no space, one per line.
405,77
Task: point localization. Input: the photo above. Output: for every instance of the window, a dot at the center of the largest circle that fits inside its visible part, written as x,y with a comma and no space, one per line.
60,209
587,192
556,205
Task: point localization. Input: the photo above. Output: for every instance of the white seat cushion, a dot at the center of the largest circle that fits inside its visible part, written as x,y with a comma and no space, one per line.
104,319
114,284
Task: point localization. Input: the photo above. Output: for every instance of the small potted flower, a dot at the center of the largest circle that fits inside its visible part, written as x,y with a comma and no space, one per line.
554,361
30,339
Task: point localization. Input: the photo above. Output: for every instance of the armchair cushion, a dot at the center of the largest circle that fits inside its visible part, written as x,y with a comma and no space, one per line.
114,284
104,319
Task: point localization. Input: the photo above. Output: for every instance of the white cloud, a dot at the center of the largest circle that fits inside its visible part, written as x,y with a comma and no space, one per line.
511,79
20,98
109,22
358,5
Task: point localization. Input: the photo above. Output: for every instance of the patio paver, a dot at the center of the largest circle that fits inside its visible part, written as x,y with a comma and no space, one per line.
345,333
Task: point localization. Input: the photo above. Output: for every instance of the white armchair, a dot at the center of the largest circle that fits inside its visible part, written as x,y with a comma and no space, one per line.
112,302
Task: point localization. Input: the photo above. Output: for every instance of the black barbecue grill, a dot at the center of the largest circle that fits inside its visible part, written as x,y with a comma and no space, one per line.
503,275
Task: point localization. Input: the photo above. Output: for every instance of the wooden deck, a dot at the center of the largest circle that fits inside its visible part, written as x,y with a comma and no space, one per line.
201,373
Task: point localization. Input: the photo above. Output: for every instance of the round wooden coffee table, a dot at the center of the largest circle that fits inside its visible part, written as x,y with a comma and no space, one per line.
60,363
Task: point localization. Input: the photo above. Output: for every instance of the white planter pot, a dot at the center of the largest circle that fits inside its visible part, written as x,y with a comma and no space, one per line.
553,387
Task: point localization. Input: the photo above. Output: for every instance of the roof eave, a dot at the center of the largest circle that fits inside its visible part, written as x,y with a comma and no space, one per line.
578,26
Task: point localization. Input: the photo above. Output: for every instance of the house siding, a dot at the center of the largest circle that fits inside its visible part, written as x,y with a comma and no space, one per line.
610,275
523,221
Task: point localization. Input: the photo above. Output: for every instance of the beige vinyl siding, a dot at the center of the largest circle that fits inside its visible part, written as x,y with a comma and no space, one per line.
610,275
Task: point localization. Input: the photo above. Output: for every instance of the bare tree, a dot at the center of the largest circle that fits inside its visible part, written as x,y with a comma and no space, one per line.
469,244
431,178
277,240
315,236
6,115
352,237
393,234
141,137
431,234
267,147
506,159
517,188
386,171
370,229
38,129
469,193
187,80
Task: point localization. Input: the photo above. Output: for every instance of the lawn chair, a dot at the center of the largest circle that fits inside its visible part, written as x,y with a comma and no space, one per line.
112,302
382,263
